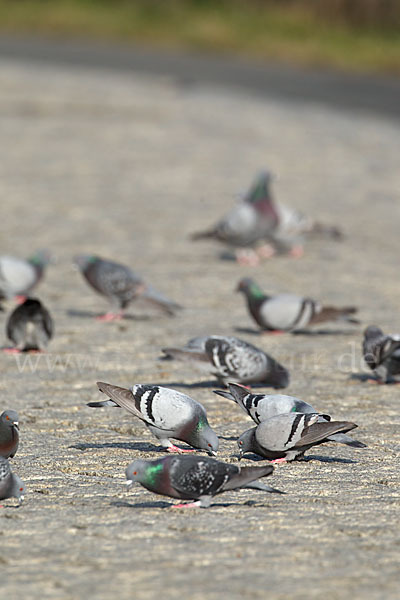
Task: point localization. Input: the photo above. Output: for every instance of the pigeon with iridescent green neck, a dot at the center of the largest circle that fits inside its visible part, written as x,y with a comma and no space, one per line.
120,285
18,277
9,433
287,312
261,407
166,412
11,485
195,478
288,436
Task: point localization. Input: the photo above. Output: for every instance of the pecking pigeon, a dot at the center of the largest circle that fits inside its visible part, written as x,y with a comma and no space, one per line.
287,437
120,285
10,484
30,326
9,433
232,359
195,478
287,312
382,354
261,407
166,412
18,277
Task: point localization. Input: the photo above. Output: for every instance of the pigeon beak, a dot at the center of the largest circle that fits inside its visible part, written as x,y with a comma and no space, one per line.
212,453
240,455
16,425
128,484
21,499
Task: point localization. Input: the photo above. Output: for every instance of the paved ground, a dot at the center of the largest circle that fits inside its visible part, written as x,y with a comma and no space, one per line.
127,166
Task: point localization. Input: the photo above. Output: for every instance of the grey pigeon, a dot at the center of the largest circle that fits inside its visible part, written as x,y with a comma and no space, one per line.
258,219
382,354
232,359
9,433
287,437
120,285
261,407
249,221
30,326
18,277
10,484
287,312
166,412
195,478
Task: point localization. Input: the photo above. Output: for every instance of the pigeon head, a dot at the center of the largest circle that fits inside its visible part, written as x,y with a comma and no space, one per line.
40,258
204,438
372,332
250,288
9,418
18,489
83,261
260,191
246,442
143,471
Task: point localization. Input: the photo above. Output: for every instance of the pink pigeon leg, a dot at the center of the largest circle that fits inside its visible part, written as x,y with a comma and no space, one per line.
20,298
187,505
278,460
11,351
296,251
273,331
174,448
266,251
246,256
110,317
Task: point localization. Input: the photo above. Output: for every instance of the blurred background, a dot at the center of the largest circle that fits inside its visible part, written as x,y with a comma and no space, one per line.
359,35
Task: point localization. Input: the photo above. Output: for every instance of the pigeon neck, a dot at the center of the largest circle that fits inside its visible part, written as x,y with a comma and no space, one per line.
153,475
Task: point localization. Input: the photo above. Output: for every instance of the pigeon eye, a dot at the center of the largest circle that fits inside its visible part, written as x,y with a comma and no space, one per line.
21,489
135,472
7,417
209,445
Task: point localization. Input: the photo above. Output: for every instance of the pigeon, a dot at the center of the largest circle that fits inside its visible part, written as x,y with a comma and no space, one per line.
18,277
232,359
166,412
120,285
30,326
287,312
10,484
195,478
9,433
268,226
382,354
286,437
261,407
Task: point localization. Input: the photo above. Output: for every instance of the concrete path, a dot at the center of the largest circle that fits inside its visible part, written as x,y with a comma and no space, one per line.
126,165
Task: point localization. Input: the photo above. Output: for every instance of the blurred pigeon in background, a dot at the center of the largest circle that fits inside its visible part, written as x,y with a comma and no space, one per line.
195,478
166,412
231,359
11,485
18,277
382,354
286,437
30,326
9,433
261,407
287,312
120,285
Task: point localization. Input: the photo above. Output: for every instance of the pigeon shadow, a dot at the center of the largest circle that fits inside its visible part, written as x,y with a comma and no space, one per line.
164,505
141,446
197,384
309,458
366,378
247,330
87,314
316,332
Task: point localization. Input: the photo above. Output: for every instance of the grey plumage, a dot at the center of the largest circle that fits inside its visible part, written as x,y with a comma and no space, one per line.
9,433
289,436
232,359
166,412
19,276
288,312
195,478
382,353
120,284
11,485
30,326
261,407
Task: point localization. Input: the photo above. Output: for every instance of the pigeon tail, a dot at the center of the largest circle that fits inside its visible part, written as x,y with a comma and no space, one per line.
331,313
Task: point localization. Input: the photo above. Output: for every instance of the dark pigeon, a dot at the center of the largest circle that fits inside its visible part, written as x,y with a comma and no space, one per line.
30,326
382,354
9,433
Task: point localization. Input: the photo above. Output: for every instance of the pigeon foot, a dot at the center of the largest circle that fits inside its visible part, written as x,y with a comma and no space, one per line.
174,448
187,505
